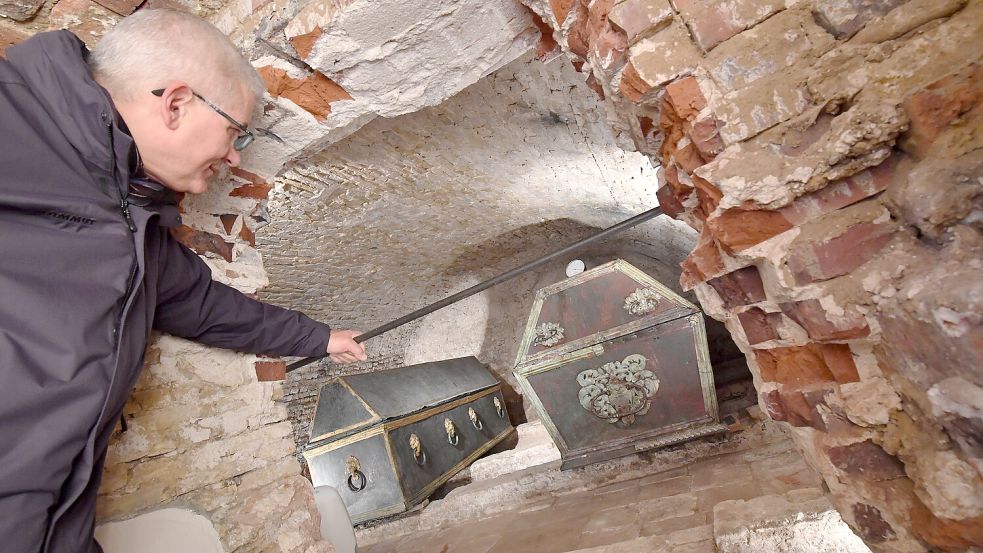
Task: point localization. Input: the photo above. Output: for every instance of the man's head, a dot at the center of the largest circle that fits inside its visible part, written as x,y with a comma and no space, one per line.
184,91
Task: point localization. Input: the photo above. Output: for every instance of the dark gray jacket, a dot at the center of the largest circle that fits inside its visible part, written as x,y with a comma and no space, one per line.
84,276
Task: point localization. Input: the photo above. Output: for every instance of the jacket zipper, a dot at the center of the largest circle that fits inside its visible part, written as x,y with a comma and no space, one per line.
124,206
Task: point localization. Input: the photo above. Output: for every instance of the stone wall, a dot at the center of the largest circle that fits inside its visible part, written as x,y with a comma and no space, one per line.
829,154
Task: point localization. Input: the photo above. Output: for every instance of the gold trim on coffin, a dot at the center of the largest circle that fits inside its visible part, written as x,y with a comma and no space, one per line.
398,423
683,308
371,420
384,429
426,491
655,436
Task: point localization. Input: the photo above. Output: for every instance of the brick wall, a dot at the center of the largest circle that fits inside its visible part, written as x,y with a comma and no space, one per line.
829,154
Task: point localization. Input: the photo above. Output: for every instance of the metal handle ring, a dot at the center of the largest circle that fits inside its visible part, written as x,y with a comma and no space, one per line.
419,455
475,421
498,408
452,437
361,480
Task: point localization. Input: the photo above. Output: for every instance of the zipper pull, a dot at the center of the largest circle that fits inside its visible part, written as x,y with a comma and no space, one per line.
125,206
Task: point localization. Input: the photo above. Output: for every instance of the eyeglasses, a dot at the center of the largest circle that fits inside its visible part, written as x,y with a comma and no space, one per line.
241,141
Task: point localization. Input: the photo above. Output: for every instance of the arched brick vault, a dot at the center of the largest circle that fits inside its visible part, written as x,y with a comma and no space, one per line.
408,210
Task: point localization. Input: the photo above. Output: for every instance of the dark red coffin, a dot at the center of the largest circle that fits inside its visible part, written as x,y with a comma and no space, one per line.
615,362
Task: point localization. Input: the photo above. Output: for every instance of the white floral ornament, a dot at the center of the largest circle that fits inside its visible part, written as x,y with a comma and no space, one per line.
548,335
619,390
642,301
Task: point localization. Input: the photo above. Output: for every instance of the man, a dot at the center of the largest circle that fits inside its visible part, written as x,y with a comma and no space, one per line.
92,151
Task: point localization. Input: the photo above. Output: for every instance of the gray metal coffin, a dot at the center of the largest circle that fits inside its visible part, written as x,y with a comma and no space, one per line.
386,440
614,362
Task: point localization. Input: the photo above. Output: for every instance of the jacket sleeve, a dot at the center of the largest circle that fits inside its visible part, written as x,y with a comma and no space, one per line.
191,305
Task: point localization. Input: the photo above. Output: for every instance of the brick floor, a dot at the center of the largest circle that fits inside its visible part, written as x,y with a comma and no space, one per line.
669,512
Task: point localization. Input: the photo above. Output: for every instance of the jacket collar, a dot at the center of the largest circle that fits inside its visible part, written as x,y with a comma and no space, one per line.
54,66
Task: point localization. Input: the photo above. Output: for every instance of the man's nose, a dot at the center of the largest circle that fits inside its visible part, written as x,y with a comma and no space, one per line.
233,157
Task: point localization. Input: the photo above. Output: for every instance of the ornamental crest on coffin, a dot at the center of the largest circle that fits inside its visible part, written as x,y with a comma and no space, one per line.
618,391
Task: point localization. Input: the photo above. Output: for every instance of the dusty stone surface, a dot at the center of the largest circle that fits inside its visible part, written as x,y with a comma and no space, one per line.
534,448
799,520
648,503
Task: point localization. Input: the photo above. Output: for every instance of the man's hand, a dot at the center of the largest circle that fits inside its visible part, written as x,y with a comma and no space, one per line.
342,347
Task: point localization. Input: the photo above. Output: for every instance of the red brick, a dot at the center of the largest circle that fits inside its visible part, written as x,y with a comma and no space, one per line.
796,408
304,43
578,37
673,127
314,93
228,221
939,104
813,318
839,255
637,17
793,366
247,176
740,287
686,97
688,158
202,242
255,191
710,25
632,86
708,194
547,47
247,235
737,228
667,200
866,459
839,359
560,9
705,135
703,262
609,48
270,371
758,325
10,36
122,7
597,18
871,526
842,193
795,141
843,18
87,19
798,366
774,406
946,534
713,22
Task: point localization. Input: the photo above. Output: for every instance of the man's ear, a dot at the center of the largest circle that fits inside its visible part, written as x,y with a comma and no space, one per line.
174,101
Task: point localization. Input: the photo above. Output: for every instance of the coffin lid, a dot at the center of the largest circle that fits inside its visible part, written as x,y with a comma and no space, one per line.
349,404
605,302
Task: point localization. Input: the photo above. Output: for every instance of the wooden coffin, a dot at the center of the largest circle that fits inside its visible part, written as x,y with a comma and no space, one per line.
386,440
614,363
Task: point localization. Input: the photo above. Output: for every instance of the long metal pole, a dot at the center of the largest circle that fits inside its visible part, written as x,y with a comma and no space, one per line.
626,224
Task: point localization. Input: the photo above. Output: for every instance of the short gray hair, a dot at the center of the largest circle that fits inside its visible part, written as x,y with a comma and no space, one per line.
152,48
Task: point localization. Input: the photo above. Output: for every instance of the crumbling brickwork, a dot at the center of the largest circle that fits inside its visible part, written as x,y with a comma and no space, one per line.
829,154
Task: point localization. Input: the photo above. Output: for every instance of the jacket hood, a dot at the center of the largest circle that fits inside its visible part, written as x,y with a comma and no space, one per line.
53,65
